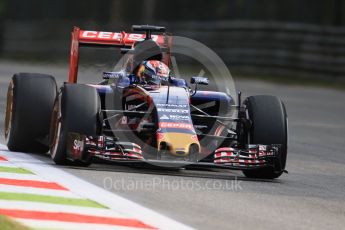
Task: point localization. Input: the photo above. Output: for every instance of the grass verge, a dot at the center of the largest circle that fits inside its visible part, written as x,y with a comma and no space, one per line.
9,224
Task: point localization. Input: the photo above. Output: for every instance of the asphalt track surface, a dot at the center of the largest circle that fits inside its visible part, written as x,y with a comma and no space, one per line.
311,196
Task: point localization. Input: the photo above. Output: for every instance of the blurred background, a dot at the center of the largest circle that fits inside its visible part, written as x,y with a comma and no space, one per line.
297,39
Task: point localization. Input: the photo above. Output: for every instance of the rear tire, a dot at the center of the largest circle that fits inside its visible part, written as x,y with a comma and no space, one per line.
30,100
77,109
269,126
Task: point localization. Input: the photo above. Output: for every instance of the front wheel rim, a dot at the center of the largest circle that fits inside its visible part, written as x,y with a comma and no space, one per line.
56,126
9,112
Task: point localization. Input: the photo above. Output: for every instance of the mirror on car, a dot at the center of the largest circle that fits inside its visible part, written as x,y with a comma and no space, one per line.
199,80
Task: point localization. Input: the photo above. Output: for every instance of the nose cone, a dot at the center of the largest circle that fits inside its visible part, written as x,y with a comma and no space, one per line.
177,143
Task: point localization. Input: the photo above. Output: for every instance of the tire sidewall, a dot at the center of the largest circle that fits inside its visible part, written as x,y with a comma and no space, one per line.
269,126
70,118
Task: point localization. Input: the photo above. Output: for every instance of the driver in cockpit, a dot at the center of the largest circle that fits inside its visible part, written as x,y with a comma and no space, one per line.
152,72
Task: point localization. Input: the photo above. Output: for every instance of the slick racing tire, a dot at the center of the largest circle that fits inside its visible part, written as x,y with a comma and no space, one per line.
30,101
76,109
269,126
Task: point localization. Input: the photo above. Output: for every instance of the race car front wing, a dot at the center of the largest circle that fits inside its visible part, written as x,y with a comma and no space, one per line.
251,157
81,147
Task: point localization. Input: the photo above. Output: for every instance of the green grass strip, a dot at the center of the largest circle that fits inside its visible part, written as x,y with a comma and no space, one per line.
9,224
38,228
46,228
14,170
52,228
50,199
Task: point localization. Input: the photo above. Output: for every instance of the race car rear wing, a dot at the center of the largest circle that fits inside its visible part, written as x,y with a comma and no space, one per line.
122,39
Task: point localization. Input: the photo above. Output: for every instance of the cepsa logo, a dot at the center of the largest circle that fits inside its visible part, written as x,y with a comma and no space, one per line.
174,125
101,35
113,36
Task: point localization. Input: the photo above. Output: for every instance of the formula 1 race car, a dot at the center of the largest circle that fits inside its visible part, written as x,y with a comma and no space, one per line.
144,114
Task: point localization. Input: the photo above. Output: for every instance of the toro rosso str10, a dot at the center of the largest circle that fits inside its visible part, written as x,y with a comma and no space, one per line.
144,114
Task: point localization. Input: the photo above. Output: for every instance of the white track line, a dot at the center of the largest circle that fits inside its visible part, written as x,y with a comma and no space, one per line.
38,191
7,164
22,176
70,226
85,189
45,207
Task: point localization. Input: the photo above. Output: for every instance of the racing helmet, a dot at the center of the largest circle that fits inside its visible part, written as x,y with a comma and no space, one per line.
152,72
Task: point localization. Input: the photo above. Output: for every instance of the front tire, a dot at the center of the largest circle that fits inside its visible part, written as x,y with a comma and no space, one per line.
30,100
77,109
269,126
